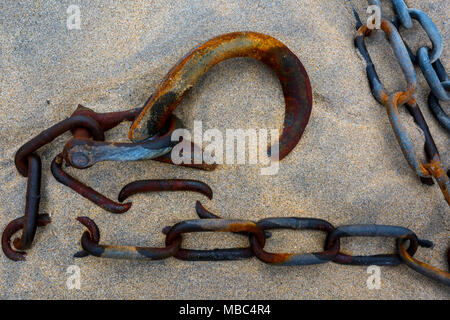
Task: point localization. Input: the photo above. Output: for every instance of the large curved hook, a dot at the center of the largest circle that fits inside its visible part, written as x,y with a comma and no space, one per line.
184,75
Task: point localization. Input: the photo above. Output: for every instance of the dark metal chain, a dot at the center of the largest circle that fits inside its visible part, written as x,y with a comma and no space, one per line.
88,147
427,59
257,234
437,78
433,167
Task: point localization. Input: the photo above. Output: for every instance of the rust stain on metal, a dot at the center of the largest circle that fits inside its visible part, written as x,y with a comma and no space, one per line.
52,133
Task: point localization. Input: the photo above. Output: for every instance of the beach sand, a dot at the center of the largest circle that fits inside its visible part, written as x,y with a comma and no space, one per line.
347,168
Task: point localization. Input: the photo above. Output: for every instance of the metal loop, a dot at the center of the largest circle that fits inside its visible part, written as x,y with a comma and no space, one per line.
402,56
33,198
436,109
289,259
421,267
91,246
440,71
155,185
204,213
431,30
372,231
31,220
220,226
430,74
403,13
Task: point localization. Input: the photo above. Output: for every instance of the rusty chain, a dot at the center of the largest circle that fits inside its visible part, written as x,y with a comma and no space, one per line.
433,167
434,72
87,126
87,146
257,235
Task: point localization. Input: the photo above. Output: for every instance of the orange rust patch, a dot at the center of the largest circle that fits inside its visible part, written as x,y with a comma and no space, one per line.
279,257
238,227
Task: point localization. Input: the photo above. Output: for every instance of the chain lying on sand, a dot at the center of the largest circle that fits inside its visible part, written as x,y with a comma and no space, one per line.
425,56
257,234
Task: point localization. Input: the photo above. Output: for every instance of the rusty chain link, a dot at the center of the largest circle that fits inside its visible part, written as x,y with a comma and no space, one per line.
88,129
256,233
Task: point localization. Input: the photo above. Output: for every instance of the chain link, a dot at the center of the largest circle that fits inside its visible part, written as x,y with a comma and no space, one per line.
427,59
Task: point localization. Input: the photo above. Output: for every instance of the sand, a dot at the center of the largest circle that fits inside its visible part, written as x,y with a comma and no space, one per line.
347,168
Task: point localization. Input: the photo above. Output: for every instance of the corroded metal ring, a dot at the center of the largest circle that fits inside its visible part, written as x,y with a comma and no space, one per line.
33,198
184,75
365,230
289,259
83,153
431,30
401,133
218,225
204,213
90,239
422,267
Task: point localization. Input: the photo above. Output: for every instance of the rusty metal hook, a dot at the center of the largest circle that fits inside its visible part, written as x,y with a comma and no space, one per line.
184,75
